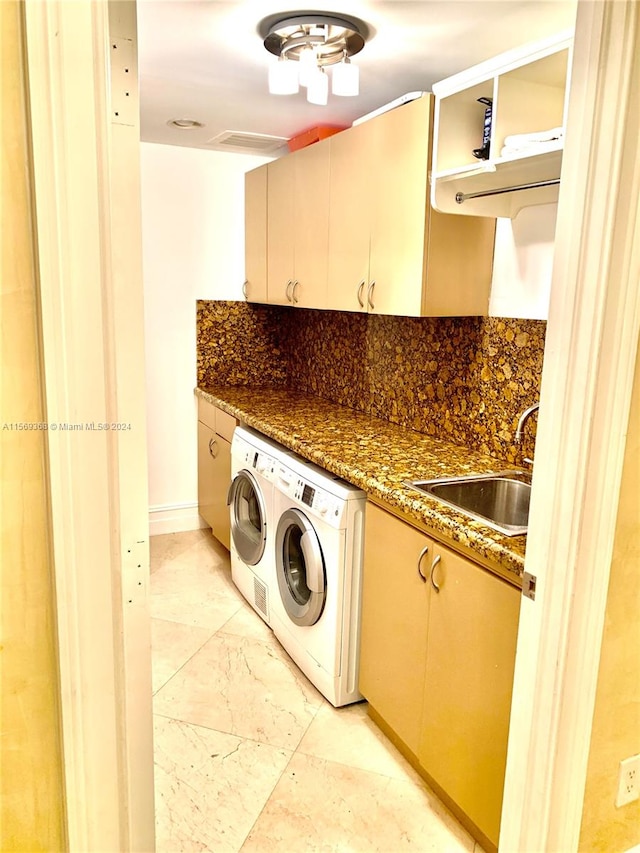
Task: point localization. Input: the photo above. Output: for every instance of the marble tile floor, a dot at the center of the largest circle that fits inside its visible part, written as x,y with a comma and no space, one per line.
248,754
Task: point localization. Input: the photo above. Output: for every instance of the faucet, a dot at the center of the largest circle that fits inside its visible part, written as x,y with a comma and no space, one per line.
521,423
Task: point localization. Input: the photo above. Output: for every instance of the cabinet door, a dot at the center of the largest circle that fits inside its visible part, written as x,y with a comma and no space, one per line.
459,265
280,230
311,235
221,476
214,477
255,229
473,624
350,197
397,260
395,601
206,473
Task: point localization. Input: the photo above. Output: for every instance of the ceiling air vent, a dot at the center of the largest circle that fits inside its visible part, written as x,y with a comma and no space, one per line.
247,143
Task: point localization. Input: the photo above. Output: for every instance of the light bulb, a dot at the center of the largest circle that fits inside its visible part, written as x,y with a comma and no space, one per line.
318,88
283,77
345,79
308,64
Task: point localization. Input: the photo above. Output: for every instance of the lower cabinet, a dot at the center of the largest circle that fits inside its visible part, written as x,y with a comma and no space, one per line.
215,431
395,619
438,650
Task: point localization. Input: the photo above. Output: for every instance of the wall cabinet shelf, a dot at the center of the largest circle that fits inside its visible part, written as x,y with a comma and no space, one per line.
215,431
349,226
438,642
528,88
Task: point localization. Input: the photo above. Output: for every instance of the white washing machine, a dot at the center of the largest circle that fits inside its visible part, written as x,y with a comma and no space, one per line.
254,458
315,601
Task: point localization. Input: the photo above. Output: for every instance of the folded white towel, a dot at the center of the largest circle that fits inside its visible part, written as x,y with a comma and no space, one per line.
517,140
530,148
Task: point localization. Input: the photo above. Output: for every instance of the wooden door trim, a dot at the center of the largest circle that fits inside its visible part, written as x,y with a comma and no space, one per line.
591,345
89,256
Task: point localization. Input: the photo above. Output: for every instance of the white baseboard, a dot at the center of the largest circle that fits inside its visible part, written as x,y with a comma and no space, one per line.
174,518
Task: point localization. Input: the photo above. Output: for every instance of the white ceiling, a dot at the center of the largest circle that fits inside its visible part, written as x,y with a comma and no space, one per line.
204,59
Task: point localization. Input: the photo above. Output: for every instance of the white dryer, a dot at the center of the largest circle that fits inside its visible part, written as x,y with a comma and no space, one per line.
253,463
315,602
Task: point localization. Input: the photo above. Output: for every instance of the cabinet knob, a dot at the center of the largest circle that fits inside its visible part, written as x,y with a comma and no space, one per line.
213,448
436,560
423,553
244,289
359,294
286,292
370,294
293,292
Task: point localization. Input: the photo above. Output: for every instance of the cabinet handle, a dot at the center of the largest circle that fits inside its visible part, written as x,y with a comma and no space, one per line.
286,292
213,445
293,292
370,294
423,553
360,289
436,560
244,289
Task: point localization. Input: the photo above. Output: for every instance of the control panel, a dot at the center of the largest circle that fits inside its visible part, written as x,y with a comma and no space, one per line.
264,464
324,505
315,500
255,460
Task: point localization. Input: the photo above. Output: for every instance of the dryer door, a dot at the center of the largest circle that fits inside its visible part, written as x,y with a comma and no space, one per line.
300,568
248,517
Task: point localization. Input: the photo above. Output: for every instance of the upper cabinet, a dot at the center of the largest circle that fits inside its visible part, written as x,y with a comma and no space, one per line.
389,252
421,263
350,198
280,223
286,230
298,228
499,131
349,226
255,231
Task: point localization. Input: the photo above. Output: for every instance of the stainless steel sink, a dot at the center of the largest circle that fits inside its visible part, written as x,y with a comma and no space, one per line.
500,500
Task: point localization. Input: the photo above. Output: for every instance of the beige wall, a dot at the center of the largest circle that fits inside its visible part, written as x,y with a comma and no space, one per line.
193,248
32,811
616,724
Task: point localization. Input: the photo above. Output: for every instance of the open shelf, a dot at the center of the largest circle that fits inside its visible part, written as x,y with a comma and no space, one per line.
495,177
528,89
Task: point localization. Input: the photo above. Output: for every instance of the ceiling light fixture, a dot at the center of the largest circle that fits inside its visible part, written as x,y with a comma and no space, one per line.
306,44
184,123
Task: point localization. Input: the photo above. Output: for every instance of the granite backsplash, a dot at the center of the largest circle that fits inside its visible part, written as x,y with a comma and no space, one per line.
463,379
238,343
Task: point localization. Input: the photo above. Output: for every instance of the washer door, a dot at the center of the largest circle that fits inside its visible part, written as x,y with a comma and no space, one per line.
300,568
248,517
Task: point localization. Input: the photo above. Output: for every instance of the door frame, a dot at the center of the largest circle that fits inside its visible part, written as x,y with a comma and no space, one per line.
592,339
588,373
81,63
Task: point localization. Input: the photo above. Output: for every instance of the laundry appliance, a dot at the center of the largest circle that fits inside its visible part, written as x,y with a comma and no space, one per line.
254,458
315,601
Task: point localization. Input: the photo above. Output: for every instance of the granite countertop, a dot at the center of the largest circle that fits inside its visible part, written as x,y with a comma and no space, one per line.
377,456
